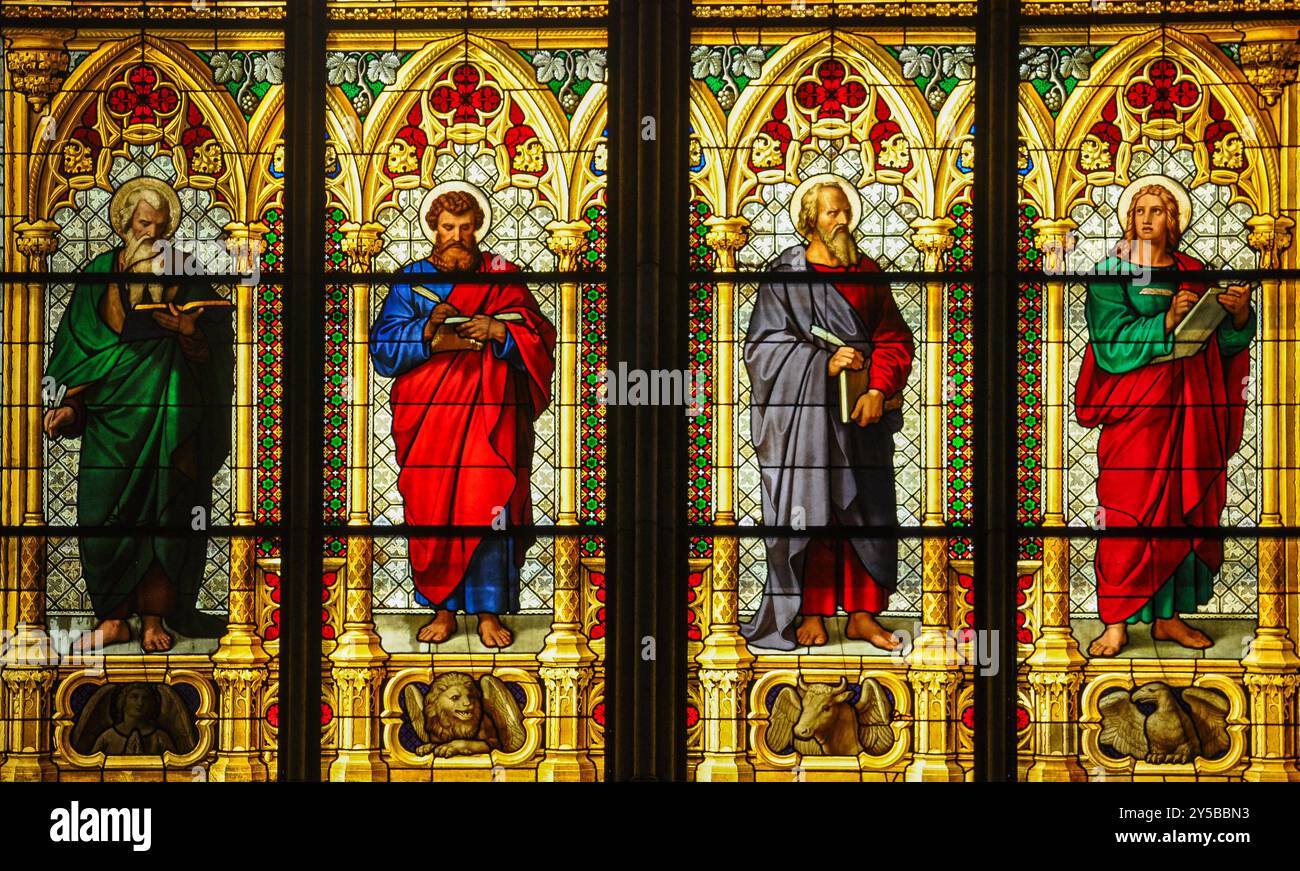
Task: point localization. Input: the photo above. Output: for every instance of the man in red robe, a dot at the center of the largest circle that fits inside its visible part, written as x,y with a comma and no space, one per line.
464,401
817,469
1168,426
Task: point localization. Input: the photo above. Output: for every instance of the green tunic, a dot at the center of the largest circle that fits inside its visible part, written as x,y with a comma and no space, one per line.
1127,330
157,429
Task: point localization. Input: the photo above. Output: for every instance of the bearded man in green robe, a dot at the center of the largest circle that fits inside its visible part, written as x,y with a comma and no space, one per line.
147,384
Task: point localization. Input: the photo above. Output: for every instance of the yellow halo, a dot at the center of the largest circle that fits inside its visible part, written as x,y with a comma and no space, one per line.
155,184
1178,191
443,188
855,198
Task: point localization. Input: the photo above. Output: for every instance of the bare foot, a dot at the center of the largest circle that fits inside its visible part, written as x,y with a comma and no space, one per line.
106,633
811,632
1110,642
154,638
492,632
1174,629
863,626
439,629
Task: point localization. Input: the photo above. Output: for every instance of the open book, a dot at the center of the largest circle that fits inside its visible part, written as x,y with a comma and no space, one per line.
185,306
445,337
853,382
1195,329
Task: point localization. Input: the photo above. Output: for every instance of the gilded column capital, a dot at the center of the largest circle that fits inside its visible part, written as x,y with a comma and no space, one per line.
246,241
361,242
933,238
36,240
567,241
37,61
1270,66
726,236
1270,235
1056,240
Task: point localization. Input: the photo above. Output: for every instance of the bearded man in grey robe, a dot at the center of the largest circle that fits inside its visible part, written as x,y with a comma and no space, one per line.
818,470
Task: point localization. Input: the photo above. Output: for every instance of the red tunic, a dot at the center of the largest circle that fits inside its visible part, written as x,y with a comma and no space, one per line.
462,426
1168,430
833,572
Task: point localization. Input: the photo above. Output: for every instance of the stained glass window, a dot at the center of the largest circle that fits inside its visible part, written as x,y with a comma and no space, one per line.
326,453
1174,123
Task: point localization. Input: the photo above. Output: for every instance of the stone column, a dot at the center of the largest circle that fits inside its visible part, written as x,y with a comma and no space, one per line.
240,665
30,660
1055,667
567,663
359,661
725,659
934,672
1272,666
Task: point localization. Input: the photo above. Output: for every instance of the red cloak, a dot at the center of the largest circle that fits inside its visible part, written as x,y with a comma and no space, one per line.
463,428
1167,431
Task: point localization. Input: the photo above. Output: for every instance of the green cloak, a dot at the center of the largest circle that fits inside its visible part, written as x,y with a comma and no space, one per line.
145,402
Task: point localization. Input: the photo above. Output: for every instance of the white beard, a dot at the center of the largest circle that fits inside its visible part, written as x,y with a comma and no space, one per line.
139,257
841,246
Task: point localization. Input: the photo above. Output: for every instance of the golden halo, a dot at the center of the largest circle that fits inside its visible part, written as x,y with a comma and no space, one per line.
1178,191
468,188
155,184
855,198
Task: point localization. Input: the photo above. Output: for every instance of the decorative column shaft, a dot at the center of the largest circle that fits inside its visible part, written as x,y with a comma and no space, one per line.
725,658
567,661
933,237
1272,666
29,662
935,671
240,665
1055,667
359,661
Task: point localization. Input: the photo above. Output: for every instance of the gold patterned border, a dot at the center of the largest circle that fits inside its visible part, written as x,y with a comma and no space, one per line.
795,9
391,718
447,10
894,680
132,10
1196,673
137,669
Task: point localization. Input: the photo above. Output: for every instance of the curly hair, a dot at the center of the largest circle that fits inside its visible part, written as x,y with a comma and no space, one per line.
1168,200
456,203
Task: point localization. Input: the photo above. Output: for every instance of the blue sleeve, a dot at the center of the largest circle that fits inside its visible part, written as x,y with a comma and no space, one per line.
397,336
508,350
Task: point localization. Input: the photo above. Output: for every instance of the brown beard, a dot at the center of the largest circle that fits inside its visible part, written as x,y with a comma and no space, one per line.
443,726
841,246
452,256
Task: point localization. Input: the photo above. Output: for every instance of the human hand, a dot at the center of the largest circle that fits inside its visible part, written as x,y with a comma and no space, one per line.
481,328
1236,299
869,408
178,321
845,358
57,418
1178,309
440,313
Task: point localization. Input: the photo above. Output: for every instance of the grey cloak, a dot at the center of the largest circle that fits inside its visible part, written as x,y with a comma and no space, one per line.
837,473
